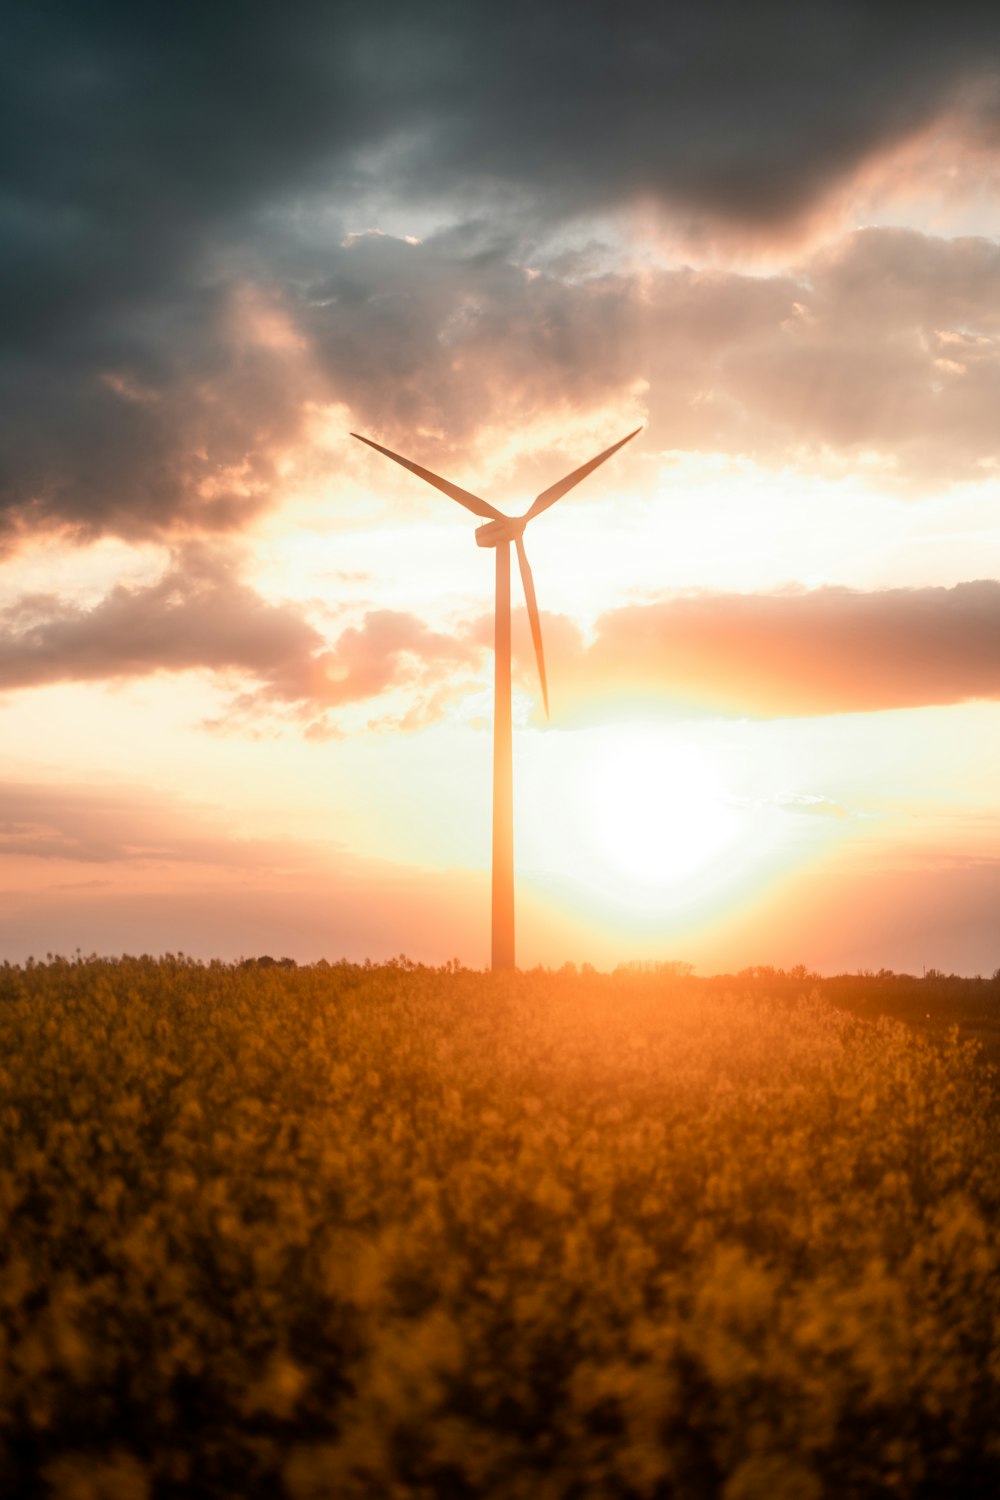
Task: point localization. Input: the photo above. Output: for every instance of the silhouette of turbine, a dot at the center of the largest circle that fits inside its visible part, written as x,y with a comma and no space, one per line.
499,532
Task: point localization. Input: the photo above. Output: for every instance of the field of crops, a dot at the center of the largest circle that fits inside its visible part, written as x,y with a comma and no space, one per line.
387,1231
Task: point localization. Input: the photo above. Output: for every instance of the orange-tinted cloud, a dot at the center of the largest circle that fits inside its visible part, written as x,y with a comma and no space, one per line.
892,346
201,616
829,650
198,615
127,825
825,651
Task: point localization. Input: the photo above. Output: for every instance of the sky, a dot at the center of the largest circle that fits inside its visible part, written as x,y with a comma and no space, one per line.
246,662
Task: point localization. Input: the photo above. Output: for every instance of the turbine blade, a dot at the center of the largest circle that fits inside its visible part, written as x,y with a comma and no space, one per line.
533,620
556,491
471,502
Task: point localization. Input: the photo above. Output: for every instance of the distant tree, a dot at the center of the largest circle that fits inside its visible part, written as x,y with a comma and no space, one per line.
669,968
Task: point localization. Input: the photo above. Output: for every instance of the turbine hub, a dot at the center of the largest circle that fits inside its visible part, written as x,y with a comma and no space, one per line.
495,532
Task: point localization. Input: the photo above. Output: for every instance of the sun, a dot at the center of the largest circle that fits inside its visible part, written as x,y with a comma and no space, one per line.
644,822
658,810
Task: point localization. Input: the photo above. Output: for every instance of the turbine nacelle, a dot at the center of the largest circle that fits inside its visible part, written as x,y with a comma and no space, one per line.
507,529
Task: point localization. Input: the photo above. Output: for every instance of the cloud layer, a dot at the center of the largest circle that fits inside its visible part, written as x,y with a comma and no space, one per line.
177,181
881,350
821,651
201,617
825,651
108,825
884,346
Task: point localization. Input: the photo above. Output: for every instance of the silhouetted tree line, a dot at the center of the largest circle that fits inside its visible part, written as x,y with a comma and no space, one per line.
931,1000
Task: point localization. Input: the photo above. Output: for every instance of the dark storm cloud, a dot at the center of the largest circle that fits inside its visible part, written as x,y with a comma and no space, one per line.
201,616
153,158
135,138
886,343
826,651
162,418
748,113
452,333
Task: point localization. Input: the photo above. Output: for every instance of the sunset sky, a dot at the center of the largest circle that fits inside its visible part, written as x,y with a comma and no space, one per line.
246,662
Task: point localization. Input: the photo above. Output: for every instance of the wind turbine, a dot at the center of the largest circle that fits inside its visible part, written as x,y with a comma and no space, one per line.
499,532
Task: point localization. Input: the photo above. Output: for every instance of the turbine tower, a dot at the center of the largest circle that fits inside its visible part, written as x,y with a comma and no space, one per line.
499,532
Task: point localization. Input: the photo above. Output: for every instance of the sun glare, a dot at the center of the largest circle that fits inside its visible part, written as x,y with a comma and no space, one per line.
659,810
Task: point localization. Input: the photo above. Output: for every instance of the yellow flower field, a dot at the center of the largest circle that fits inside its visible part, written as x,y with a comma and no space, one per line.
388,1231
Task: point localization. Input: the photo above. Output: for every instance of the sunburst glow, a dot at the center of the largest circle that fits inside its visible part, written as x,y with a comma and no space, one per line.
659,809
